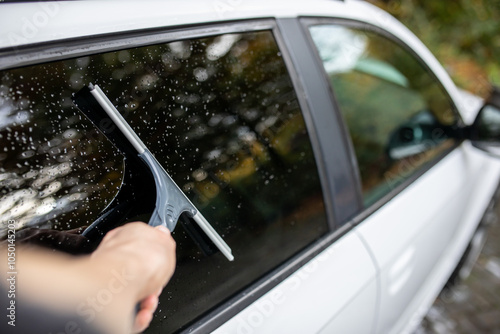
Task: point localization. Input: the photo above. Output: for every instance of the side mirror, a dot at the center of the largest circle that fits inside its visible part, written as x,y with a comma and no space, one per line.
418,134
485,132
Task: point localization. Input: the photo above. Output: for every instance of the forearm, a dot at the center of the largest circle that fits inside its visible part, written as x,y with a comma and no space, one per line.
132,263
73,286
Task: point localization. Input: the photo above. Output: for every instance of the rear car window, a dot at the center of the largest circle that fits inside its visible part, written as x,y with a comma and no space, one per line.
219,113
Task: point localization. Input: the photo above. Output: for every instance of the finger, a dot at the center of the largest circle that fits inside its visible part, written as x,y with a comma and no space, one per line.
142,320
163,229
150,303
112,233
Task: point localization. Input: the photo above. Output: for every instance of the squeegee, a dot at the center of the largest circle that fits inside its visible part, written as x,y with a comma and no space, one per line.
170,201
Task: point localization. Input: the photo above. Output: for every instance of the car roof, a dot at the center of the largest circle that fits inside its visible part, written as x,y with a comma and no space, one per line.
37,22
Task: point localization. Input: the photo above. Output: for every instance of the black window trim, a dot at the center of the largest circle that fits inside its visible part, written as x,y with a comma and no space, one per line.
365,212
32,54
341,176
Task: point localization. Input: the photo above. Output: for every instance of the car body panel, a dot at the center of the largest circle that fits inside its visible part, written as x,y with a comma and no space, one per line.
324,295
60,20
471,104
412,245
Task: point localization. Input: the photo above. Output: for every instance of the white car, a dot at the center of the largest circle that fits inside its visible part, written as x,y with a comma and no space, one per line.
321,139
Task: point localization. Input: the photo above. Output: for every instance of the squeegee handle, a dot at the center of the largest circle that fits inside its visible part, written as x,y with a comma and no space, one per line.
100,111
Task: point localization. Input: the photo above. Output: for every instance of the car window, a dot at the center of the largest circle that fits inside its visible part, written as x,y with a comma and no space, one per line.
398,115
219,113
56,171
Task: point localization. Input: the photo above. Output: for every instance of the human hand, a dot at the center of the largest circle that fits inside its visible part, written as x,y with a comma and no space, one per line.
147,307
147,257
133,263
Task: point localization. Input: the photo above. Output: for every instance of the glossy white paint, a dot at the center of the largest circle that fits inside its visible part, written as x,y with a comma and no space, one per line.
326,295
355,316
411,233
59,20
483,176
471,104
384,274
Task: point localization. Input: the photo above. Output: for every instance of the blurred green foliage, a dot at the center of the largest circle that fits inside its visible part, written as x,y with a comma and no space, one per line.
464,35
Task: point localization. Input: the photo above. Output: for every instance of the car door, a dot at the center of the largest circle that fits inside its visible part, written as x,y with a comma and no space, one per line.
415,179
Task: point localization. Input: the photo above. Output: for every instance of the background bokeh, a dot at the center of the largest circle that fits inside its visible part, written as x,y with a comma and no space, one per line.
462,34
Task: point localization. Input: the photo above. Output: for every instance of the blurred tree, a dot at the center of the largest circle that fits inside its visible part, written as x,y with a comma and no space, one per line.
463,35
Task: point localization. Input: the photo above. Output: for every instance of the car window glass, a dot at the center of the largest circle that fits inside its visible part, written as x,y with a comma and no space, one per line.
222,117
398,115
56,170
